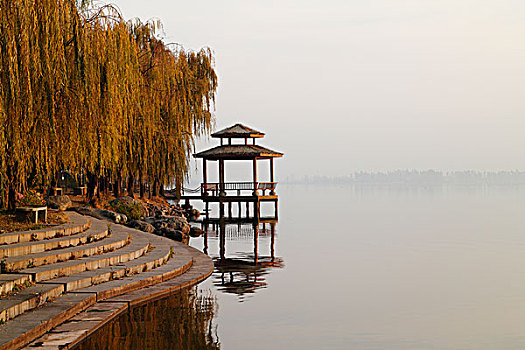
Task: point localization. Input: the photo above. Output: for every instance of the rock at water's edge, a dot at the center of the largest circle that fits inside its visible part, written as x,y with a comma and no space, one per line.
142,226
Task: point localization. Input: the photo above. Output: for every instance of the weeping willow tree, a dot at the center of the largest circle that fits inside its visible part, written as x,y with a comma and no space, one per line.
83,90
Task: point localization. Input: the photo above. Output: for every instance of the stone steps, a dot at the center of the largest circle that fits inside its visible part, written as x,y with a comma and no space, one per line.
155,258
126,260
77,223
70,333
27,299
97,231
138,246
113,242
10,281
144,253
34,296
178,264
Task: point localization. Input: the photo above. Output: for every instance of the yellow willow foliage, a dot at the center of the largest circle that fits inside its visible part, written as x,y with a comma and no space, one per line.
33,73
83,90
178,94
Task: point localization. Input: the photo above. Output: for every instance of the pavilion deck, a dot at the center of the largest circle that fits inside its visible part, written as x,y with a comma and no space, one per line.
235,192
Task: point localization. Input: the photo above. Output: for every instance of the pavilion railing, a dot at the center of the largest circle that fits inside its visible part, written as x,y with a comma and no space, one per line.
214,188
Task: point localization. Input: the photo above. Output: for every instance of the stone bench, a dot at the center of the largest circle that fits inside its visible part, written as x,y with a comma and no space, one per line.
24,212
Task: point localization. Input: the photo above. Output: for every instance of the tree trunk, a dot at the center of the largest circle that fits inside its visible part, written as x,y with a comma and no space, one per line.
99,184
11,198
53,187
178,186
141,185
155,188
161,190
131,186
108,183
117,186
103,185
92,186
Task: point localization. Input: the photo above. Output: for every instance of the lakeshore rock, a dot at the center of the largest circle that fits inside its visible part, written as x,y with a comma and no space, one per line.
179,223
59,202
160,218
176,235
127,201
159,210
116,217
142,226
193,214
196,232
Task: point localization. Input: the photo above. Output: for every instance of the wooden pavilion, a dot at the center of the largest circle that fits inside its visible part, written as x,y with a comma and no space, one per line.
246,192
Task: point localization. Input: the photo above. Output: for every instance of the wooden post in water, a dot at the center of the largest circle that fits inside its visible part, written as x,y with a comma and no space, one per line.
255,243
272,244
204,177
222,239
205,250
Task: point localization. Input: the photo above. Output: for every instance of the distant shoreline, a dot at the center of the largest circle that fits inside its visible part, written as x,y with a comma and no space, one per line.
415,178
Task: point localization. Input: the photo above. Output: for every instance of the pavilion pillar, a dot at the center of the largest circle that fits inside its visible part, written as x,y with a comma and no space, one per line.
221,177
255,177
204,170
272,192
204,177
221,188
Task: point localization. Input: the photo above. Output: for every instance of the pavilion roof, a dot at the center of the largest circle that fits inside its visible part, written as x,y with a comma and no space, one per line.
238,152
238,131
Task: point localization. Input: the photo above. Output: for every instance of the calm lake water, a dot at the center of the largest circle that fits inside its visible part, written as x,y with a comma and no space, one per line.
365,267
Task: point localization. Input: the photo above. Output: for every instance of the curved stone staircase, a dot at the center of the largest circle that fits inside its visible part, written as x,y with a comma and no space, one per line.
48,276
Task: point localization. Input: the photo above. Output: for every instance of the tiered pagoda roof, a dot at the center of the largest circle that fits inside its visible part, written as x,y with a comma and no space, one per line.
238,131
238,151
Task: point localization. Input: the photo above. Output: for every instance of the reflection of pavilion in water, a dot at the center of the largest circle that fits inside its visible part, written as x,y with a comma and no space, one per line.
244,273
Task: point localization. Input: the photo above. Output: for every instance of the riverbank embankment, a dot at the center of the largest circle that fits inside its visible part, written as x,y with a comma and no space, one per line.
83,266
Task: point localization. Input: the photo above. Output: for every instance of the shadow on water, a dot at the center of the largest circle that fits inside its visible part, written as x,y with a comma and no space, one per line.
180,321
242,272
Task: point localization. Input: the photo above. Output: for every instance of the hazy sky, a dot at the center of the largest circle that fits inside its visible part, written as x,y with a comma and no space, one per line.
342,86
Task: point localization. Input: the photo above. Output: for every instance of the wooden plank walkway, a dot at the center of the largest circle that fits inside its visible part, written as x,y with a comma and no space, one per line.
49,276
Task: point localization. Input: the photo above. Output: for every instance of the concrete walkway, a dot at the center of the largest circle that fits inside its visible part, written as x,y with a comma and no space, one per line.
54,281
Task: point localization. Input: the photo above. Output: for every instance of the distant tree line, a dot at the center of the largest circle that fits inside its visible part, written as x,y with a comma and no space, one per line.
415,177
85,91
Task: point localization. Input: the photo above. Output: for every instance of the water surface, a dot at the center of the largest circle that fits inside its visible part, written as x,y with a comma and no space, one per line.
371,267
365,267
